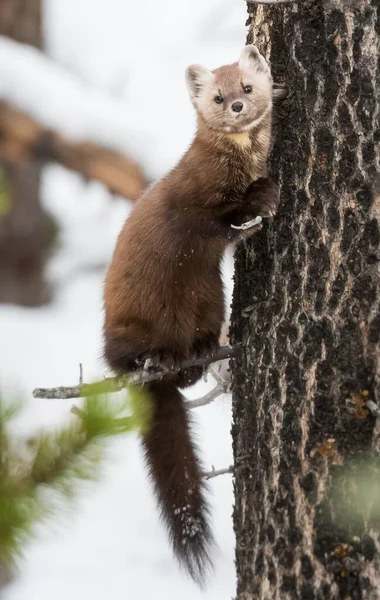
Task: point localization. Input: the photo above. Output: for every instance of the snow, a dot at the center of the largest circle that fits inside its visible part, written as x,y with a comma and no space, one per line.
114,74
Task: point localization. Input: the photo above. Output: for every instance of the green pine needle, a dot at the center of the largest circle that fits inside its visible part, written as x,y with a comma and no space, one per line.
4,195
33,475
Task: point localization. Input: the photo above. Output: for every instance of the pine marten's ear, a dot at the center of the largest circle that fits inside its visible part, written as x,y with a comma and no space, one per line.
196,77
251,60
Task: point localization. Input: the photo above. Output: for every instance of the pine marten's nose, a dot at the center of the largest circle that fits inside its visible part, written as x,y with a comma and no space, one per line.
237,106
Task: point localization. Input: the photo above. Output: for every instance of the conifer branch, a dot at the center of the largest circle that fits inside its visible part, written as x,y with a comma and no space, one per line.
115,384
33,472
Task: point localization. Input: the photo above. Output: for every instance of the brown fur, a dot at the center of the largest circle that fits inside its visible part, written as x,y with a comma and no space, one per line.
164,299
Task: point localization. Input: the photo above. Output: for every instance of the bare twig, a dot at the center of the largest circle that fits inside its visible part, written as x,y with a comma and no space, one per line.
221,373
273,2
115,384
222,387
217,391
223,383
240,462
216,473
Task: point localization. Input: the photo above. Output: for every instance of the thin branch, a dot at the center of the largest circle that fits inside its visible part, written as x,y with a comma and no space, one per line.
240,462
216,473
272,2
217,391
222,387
221,373
22,137
115,384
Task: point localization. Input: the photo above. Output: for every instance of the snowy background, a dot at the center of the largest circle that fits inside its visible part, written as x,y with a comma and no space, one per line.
115,74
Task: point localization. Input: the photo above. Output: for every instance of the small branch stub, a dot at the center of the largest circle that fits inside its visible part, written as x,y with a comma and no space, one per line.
216,473
373,408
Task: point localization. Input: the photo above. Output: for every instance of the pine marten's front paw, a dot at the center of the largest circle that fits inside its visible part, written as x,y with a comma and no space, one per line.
262,198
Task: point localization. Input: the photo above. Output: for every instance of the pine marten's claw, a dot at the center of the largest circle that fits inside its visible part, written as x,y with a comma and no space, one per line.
161,362
248,224
148,364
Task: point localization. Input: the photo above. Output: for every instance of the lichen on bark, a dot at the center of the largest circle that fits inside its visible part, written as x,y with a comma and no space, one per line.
309,283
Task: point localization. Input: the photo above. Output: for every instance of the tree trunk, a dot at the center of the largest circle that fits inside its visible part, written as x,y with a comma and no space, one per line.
306,309
21,20
26,230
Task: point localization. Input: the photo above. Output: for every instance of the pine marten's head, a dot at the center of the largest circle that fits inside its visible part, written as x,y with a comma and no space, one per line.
233,98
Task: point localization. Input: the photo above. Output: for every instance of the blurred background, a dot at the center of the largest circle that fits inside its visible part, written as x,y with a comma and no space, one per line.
93,107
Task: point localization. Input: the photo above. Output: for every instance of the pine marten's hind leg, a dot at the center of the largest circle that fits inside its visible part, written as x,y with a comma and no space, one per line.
202,347
125,343
131,346
206,345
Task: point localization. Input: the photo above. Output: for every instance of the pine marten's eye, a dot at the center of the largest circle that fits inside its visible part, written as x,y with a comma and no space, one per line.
247,89
218,99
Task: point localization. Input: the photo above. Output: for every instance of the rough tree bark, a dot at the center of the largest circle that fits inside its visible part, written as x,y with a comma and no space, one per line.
306,308
26,231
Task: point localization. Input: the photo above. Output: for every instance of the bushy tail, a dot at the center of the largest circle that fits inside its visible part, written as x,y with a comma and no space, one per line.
176,473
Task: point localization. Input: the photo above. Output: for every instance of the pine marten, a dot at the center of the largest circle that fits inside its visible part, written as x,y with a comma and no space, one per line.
163,290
